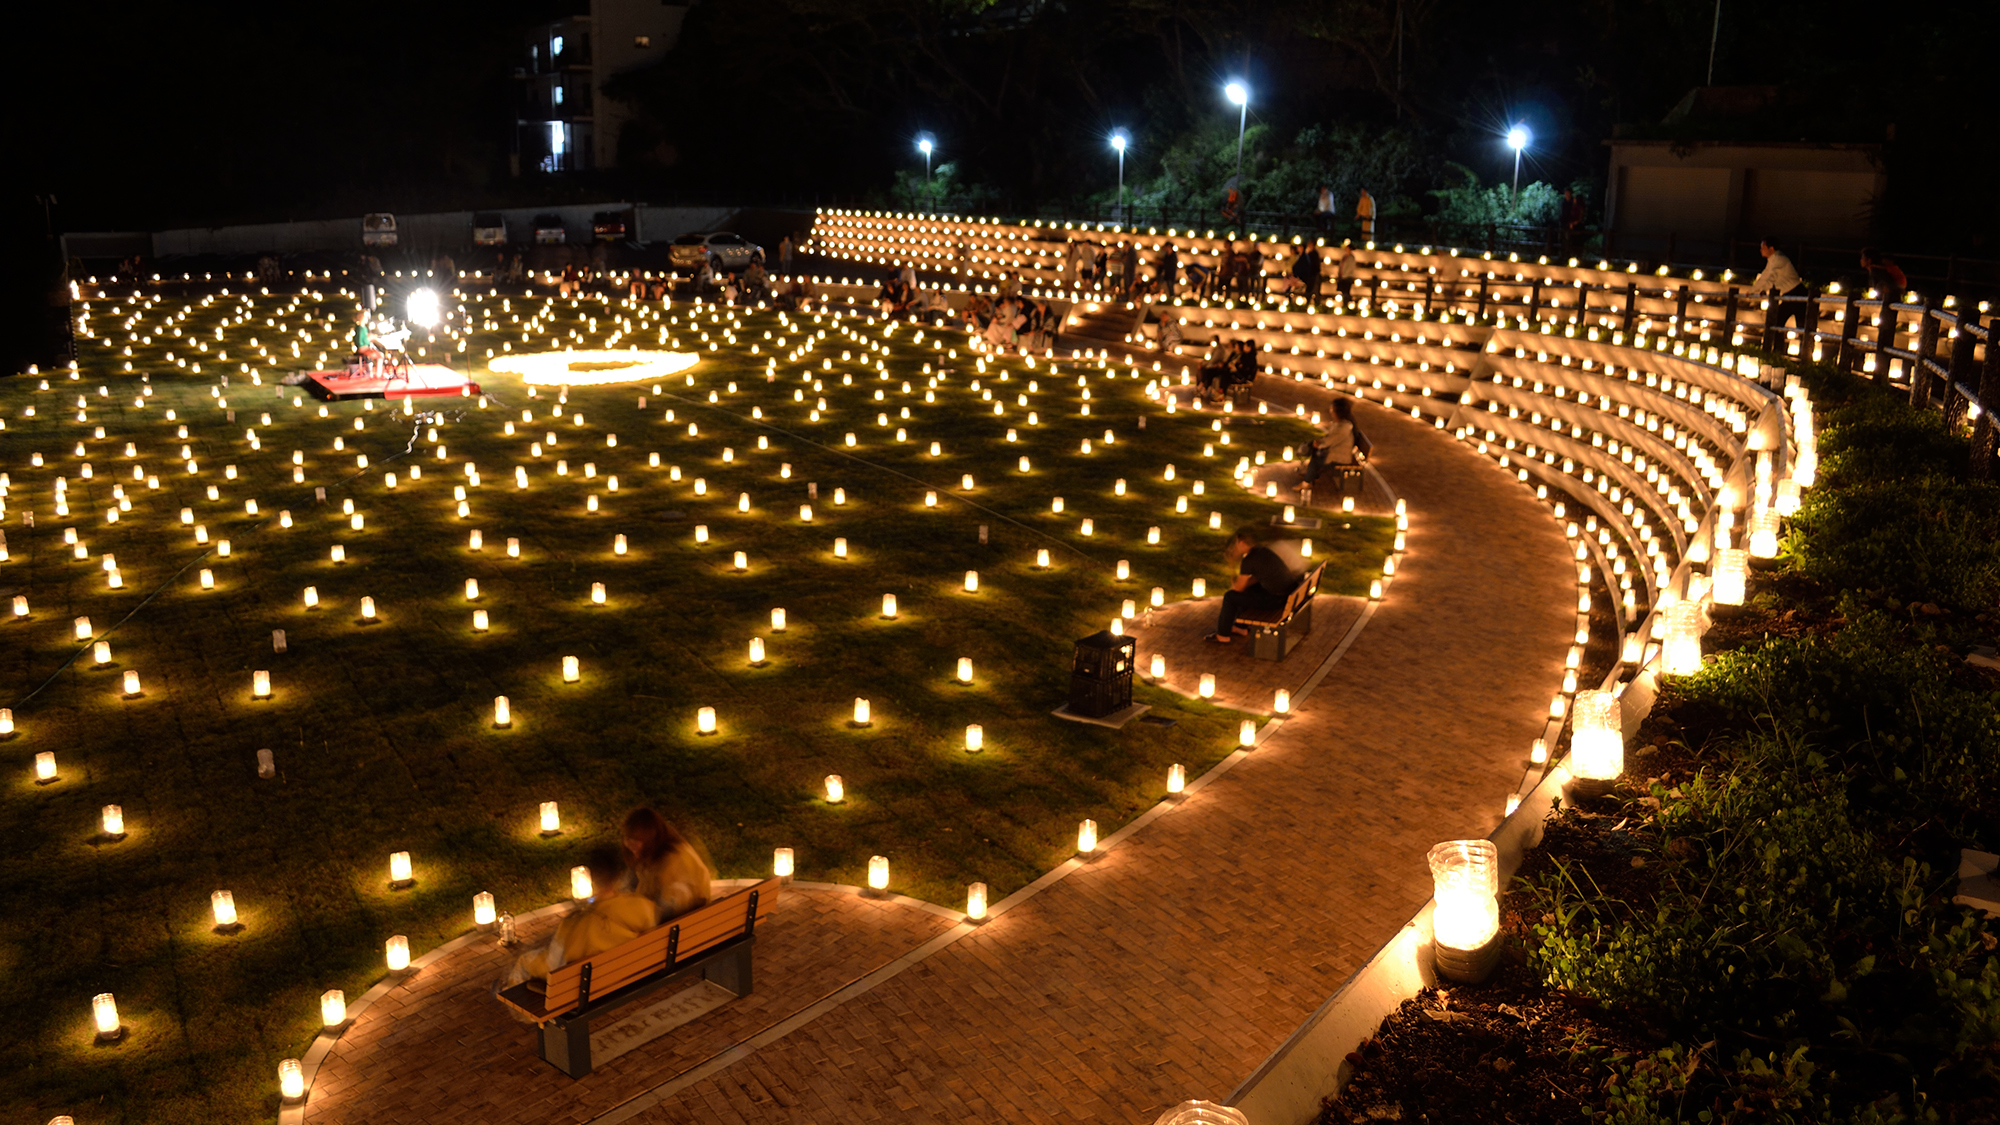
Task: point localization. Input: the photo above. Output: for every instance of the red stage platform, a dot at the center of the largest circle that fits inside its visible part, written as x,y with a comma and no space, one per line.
422,379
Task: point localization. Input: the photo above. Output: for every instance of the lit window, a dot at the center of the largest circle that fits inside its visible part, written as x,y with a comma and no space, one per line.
555,46
559,95
642,41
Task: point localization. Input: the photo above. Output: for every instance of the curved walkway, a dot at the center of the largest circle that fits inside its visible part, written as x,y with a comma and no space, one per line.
1167,968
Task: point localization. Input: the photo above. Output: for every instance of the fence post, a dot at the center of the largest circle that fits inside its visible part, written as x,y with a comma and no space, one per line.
1959,367
1631,307
1920,376
1843,354
1989,391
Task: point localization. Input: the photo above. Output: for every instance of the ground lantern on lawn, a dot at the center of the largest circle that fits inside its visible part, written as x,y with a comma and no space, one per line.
1100,681
1465,926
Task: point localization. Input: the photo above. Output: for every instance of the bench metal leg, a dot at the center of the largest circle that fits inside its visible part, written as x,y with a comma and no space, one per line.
731,972
566,1046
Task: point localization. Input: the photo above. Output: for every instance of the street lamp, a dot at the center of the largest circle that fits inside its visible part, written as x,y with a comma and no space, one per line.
925,146
1118,142
1517,139
1239,95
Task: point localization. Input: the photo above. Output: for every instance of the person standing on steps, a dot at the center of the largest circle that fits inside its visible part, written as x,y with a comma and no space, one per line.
1781,279
1263,581
1364,213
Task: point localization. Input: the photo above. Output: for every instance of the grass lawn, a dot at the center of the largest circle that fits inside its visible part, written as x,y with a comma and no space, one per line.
383,732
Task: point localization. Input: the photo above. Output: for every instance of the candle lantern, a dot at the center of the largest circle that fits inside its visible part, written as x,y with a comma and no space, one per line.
1086,839
397,953
579,883
1207,688
777,621
333,1007
1764,534
1731,573
551,819
1176,779
132,689
861,712
260,681
114,822
571,670
483,914
399,870
888,605
878,873
782,863
1246,733
1597,739
836,789
104,1011
704,720
1041,562
1682,651
1465,925
975,738
222,904
1100,681
971,581
975,902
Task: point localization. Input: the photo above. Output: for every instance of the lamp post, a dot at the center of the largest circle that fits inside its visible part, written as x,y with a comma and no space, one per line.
1517,139
1239,95
925,146
1118,143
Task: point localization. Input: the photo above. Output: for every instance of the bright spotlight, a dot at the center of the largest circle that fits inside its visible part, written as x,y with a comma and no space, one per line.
423,308
1238,93
1118,141
924,146
1517,137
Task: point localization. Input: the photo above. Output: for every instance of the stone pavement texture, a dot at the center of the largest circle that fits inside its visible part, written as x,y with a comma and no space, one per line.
1165,969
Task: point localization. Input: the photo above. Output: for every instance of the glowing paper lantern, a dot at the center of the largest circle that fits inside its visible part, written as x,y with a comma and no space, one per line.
399,869
397,950
975,737
782,863
260,682
878,873
1176,778
836,790
888,605
1281,703
113,820
45,766
861,712
1159,665
572,671
1246,733
1086,838
975,902
704,720
971,581
479,621
132,685
333,1007
1041,561
777,621
579,883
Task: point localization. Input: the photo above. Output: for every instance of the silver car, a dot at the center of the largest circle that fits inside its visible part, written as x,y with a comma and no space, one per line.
731,251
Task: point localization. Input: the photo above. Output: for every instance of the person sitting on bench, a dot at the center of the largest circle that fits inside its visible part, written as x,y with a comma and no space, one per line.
1335,444
663,865
1263,580
608,919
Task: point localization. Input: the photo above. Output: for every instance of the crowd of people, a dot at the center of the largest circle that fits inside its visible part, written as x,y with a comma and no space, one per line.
656,873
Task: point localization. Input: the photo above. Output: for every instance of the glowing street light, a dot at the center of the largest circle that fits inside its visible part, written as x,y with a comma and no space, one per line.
1517,139
1239,96
925,145
1119,140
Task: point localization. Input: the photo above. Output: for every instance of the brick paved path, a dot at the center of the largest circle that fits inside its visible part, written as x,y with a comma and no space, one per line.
1166,969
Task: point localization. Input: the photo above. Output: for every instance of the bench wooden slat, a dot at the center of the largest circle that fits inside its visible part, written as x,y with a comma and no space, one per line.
1295,601
700,929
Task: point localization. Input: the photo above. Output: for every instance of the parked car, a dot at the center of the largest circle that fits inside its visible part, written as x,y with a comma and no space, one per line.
732,251
609,226
378,229
489,228
549,230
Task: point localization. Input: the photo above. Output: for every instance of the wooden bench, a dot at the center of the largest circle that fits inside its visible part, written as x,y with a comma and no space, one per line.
713,940
1273,638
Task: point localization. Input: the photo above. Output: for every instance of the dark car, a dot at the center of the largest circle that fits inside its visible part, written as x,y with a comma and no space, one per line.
609,226
549,229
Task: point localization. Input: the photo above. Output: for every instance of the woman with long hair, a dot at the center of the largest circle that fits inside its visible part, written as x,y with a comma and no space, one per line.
663,864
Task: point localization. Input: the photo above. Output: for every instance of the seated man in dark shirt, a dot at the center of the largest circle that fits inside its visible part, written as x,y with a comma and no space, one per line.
1263,580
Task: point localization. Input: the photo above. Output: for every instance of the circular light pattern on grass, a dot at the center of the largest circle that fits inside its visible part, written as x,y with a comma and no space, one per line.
592,369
